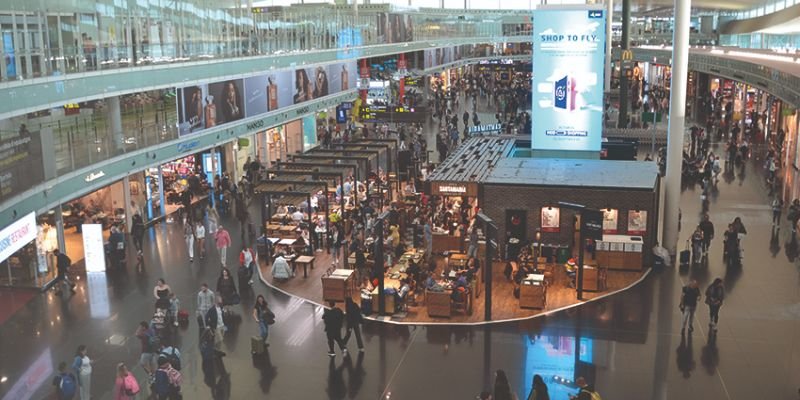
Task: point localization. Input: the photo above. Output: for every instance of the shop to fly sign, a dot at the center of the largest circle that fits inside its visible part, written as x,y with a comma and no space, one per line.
569,44
17,235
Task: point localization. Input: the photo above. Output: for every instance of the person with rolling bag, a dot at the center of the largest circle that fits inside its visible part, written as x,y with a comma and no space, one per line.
685,255
264,317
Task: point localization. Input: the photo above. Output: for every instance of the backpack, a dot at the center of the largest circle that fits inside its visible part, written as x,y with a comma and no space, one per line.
130,386
173,359
67,387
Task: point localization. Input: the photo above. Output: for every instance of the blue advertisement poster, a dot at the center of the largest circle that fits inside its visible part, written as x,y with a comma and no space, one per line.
568,66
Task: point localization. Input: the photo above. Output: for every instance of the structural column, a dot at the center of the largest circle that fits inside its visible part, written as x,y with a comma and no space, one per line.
677,121
114,115
609,20
625,44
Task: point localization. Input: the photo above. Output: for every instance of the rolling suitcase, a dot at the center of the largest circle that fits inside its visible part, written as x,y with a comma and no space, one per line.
685,255
183,318
257,346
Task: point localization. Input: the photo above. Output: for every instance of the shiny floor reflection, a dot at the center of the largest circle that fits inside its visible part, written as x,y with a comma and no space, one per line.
629,345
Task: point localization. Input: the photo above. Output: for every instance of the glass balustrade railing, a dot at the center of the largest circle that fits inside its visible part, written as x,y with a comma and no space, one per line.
111,34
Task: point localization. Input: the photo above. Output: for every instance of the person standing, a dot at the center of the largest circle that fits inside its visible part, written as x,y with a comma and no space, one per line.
539,389
145,335
65,383
715,295
137,231
428,233
82,365
62,266
223,241
200,235
215,319
689,296
188,235
708,232
336,240
264,317
333,319
205,301
472,251
126,387
354,320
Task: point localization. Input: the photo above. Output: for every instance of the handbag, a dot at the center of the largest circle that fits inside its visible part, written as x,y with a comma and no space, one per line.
234,300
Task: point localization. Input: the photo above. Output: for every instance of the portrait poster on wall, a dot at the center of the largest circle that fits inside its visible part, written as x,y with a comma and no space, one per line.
637,222
551,219
610,220
227,100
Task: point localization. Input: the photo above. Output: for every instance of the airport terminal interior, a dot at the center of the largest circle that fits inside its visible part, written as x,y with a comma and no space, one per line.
399,199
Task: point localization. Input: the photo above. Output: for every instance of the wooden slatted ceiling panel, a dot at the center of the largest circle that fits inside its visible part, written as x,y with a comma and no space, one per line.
473,160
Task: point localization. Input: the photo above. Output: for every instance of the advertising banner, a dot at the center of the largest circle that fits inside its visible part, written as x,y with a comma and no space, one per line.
266,93
17,235
228,100
94,253
21,164
568,66
208,105
342,77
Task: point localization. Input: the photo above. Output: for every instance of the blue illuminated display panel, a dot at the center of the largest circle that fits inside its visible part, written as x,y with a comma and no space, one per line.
568,66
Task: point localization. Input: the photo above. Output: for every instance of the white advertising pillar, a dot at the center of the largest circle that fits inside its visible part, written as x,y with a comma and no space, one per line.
609,20
677,122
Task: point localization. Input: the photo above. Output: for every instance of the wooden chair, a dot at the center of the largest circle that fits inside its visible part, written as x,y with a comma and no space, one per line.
460,305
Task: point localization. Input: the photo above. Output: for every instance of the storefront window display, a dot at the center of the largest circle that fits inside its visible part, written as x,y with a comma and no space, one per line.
27,260
105,206
284,140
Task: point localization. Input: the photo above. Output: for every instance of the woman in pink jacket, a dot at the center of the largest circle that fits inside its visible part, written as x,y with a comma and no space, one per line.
125,387
223,240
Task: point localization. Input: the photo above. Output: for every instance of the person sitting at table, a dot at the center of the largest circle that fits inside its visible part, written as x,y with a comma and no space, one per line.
297,216
366,285
280,268
430,282
410,190
472,268
402,293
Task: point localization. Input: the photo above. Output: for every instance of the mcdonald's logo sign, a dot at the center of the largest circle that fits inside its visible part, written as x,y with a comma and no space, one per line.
627,55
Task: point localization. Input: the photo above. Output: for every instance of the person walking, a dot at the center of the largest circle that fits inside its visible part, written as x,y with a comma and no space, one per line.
226,287
62,266
200,236
472,251
247,265
215,320
354,319
146,336
689,296
82,365
715,295
213,218
161,292
137,231
205,301
223,240
539,389
333,319
126,387
188,235
708,233
502,389
264,317
777,209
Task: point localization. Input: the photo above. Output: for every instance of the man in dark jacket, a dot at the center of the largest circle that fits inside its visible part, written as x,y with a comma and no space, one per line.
137,231
62,267
708,232
354,319
334,318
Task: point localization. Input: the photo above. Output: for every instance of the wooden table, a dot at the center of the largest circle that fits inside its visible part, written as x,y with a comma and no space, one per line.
339,285
287,242
458,261
305,261
272,228
532,292
288,231
438,303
